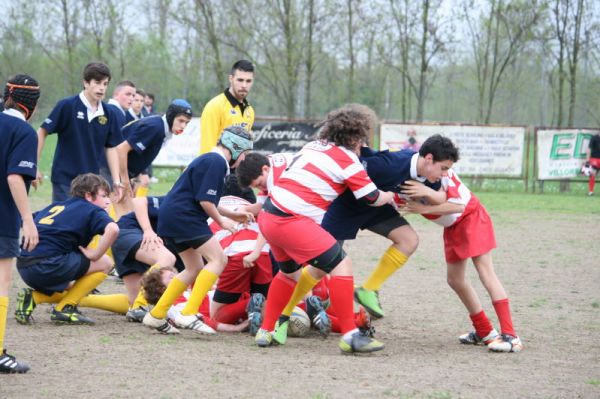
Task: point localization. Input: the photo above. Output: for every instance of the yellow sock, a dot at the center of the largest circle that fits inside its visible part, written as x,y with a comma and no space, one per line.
3,314
81,288
116,303
391,261
112,213
204,282
140,300
174,290
305,284
141,191
38,297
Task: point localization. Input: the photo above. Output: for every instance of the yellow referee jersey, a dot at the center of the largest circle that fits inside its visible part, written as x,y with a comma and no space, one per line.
222,111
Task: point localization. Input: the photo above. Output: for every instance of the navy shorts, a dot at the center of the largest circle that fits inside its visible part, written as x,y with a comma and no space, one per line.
343,222
182,244
54,273
124,250
9,247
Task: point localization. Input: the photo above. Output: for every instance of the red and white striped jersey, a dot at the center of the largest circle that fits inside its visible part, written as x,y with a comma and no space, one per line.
279,163
244,240
316,176
457,193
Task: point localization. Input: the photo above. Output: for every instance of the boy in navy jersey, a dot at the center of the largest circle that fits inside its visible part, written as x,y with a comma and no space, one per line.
86,128
391,171
18,143
65,229
123,95
183,223
145,137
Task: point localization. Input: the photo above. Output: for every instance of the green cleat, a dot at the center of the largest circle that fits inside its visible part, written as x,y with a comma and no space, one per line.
360,342
281,328
25,306
370,300
263,338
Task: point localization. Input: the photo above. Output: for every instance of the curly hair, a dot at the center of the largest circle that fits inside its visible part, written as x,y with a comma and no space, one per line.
152,284
349,125
88,183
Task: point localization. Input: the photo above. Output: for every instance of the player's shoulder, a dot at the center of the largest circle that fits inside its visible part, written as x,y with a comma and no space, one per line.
217,101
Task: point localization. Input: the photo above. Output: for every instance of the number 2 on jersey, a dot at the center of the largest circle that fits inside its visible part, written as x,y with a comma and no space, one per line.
54,211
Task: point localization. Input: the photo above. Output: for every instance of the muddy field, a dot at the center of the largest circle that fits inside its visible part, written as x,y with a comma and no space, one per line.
545,261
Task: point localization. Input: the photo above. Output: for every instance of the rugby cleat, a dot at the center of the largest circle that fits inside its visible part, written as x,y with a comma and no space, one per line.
370,300
506,343
263,338
25,306
10,365
473,339
194,323
254,310
70,315
161,325
318,316
136,315
359,342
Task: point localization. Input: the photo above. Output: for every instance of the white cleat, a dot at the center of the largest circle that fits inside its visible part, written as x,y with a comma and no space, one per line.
193,323
160,325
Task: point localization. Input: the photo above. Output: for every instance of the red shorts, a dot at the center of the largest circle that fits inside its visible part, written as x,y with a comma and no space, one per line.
595,162
236,278
294,237
472,235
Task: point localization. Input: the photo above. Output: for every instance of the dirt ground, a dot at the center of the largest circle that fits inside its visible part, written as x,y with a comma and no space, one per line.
544,260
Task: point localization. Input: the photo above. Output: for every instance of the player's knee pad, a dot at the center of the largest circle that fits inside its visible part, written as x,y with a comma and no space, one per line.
329,259
288,266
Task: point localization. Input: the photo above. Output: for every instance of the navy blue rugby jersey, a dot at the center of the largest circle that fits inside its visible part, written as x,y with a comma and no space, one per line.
81,143
129,221
146,137
180,215
18,155
64,226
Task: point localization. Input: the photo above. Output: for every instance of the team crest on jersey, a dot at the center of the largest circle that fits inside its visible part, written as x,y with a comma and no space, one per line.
232,111
102,120
80,115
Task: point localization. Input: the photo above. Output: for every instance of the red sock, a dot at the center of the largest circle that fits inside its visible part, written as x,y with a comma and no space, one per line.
502,308
481,323
341,293
322,289
231,313
592,183
280,292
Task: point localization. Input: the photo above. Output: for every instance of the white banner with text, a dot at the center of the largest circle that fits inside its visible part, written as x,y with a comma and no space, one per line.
484,150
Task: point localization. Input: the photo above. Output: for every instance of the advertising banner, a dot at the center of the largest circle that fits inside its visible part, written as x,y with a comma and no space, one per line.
561,152
484,150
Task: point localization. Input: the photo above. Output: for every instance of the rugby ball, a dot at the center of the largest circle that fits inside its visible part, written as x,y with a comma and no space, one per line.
299,323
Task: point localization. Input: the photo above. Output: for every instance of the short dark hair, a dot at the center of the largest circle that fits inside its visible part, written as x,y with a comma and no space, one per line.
96,71
440,147
140,92
124,83
250,168
88,183
242,65
348,125
150,95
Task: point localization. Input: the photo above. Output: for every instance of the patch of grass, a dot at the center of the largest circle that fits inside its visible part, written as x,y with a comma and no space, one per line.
596,304
105,340
538,303
593,381
440,395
